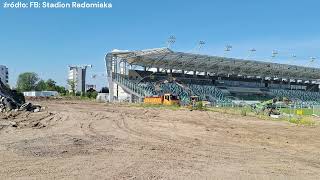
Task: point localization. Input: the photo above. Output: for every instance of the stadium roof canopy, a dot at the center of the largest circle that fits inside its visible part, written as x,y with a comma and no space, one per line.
168,59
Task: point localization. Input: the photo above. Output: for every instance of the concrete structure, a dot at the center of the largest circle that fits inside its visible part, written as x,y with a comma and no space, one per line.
4,74
40,93
103,97
77,74
91,86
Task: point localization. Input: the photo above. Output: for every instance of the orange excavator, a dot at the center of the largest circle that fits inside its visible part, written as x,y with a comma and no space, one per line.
166,99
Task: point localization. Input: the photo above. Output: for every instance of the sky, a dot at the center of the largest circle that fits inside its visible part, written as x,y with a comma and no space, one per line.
46,41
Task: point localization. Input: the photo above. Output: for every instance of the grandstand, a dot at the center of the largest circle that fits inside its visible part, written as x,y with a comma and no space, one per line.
215,79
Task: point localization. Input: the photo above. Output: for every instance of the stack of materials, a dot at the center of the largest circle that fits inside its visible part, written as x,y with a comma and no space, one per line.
11,100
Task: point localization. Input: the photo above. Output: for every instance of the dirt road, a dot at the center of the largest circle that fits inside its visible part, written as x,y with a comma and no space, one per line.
86,140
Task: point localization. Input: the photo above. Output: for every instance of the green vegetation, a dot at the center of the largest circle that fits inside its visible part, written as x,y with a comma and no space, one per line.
199,106
304,120
50,85
30,81
41,85
243,112
91,94
72,84
27,81
305,111
157,106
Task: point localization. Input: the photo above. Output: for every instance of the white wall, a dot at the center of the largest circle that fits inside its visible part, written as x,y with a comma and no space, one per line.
122,96
40,93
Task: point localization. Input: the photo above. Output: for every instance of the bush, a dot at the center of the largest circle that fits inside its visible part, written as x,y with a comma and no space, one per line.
302,121
243,112
199,106
92,95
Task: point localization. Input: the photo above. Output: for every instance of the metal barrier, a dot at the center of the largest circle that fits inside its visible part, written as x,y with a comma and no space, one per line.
316,110
130,85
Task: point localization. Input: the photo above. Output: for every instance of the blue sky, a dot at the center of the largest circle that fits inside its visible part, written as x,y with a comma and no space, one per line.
46,41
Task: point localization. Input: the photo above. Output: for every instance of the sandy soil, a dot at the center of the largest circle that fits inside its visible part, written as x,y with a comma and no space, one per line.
86,140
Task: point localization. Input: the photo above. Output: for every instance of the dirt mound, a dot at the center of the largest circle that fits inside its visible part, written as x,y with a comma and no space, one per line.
22,119
5,91
12,100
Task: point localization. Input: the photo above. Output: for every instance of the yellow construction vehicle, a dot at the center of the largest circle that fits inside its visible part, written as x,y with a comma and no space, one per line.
166,99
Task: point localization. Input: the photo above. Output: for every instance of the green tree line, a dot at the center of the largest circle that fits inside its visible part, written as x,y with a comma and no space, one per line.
30,81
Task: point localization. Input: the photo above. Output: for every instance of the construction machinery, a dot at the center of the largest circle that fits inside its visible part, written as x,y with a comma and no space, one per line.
166,99
169,99
269,107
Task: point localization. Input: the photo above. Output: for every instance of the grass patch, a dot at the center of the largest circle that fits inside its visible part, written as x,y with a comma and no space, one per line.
239,111
302,120
243,112
305,111
246,111
158,106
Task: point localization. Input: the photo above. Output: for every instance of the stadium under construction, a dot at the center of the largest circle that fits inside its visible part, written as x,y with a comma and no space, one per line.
134,75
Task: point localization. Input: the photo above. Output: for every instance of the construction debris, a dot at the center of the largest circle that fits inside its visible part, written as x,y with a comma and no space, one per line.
11,100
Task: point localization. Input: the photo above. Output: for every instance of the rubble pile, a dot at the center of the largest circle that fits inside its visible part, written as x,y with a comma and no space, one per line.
11,100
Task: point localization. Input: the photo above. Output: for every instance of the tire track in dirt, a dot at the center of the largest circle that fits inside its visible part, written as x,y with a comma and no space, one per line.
159,143
22,120
123,125
141,139
87,127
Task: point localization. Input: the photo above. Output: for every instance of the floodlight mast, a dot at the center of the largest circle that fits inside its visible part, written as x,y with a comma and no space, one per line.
227,49
171,41
274,54
201,44
292,59
312,60
251,51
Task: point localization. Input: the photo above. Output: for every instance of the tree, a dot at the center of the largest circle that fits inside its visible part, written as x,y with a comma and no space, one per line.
41,86
92,93
104,90
27,81
72,84
61,90
51,85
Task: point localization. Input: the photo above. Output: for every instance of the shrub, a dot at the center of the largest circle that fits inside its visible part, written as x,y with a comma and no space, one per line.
199,106
243,112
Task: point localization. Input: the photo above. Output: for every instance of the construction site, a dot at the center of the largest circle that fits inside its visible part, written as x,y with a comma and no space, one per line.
170,115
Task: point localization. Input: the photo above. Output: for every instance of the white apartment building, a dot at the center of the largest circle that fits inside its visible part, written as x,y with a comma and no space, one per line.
4,74
77,74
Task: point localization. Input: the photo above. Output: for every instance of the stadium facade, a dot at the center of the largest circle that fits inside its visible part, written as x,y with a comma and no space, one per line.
216,79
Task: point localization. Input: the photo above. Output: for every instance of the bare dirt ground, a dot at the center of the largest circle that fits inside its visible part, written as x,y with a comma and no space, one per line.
86,140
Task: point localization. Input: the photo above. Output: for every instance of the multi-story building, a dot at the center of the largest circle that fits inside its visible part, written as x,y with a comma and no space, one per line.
77,76
4,74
